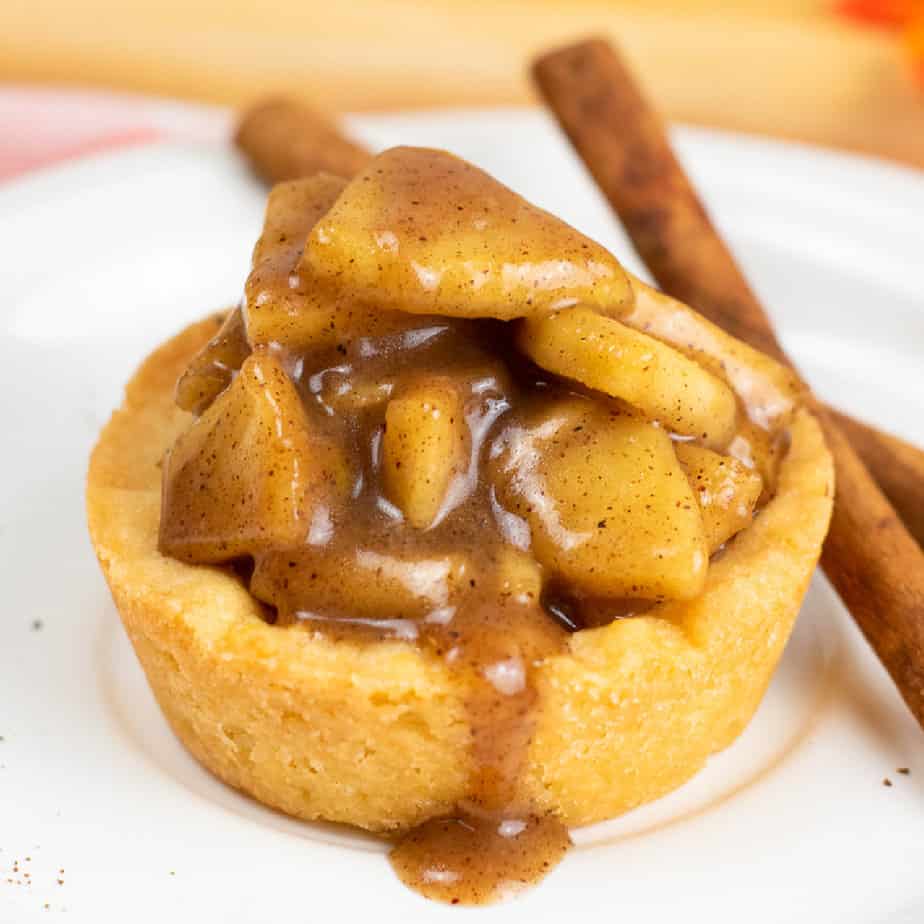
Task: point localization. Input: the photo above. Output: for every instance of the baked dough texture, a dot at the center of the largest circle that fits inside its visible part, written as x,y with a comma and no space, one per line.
376,735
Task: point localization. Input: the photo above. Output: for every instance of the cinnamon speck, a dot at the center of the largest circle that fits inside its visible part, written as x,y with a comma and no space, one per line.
886,782
904,771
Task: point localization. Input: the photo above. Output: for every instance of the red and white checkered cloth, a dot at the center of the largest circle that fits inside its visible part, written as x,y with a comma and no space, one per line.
39,126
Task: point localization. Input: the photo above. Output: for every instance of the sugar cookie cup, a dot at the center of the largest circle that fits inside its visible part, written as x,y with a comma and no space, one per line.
377,736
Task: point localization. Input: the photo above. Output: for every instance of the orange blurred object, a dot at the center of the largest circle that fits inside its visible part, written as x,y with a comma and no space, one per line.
891,13
914,38
905,15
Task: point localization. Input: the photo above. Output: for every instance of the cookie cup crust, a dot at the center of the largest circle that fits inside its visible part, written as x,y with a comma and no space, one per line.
377,735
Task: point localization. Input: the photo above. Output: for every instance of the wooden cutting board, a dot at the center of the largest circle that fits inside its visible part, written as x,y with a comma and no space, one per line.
788,68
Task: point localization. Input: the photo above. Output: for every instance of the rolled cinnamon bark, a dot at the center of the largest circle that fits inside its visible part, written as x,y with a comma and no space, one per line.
870,557
624,144
897,466
284,140
877,569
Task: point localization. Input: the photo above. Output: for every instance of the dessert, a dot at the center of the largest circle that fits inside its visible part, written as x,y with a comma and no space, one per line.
459,532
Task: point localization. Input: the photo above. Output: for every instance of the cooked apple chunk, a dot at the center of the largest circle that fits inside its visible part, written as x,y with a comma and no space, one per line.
422,231
352,395
292,210
425,445
211,370
286,305
519,575
727,491
279,305
360,587
251,473
768,390
605,355
607,502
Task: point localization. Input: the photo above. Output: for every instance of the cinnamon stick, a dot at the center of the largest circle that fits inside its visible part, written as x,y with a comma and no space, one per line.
897,466
869,556
284,140
624,144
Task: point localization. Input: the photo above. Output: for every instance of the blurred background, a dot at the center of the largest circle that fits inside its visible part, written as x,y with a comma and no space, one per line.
847,74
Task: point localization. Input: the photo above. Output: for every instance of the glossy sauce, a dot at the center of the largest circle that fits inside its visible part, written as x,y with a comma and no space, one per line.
457,575
444,590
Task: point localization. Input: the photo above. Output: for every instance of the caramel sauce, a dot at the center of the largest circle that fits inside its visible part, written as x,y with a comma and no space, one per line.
416,478
471,859
372,576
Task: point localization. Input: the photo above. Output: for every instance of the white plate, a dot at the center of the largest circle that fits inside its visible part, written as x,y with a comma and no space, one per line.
103,259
